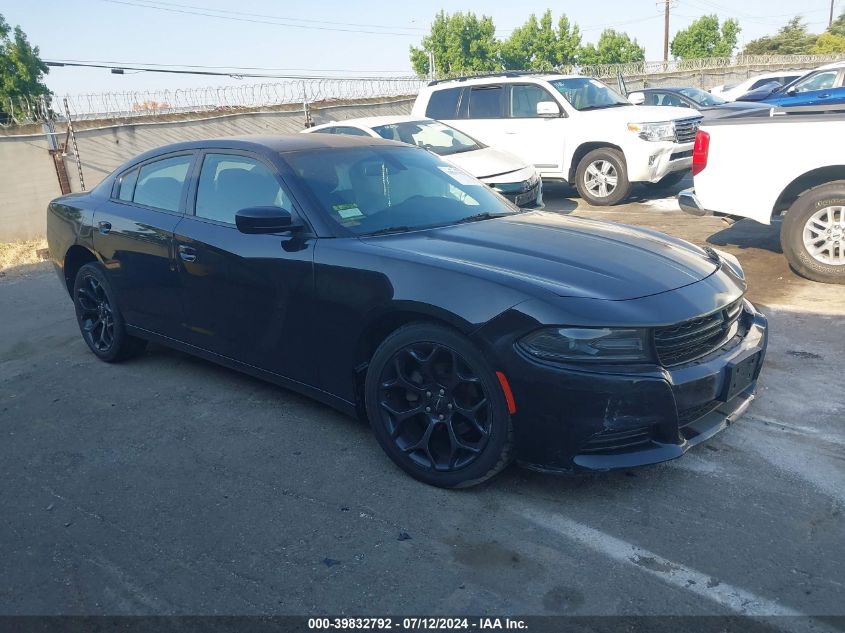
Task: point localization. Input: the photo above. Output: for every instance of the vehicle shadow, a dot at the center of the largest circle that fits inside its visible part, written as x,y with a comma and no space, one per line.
749,234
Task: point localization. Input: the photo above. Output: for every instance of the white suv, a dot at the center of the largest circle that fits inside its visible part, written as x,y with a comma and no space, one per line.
570,128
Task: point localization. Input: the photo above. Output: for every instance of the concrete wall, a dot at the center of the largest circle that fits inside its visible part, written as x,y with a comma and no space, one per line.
28,178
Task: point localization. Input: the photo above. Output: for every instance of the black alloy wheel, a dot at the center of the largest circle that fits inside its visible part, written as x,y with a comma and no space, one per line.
436,408
96,317
99,318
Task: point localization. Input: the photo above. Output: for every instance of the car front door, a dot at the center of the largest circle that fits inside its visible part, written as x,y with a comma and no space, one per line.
133,232
246,297
539,140
824,86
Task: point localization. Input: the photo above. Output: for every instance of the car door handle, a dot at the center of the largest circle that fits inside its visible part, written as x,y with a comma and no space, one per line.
187,253
104,227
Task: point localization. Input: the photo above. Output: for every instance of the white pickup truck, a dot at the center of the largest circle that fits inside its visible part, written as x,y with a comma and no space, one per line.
778,165
571,128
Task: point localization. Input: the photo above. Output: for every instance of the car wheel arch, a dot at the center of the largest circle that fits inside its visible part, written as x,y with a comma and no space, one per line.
585,148
805,182
384,323
75,258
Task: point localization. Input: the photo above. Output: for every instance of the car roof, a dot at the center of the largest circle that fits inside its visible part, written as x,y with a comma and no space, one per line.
500,78
272,144
827,66
371,121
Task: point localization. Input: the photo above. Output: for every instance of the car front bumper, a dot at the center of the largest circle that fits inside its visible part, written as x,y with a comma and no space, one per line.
652,161
570,420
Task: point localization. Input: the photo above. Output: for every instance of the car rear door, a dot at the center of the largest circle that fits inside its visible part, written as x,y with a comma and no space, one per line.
246,297
133,232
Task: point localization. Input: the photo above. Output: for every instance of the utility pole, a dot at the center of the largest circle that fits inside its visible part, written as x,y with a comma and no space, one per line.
830,22
666,30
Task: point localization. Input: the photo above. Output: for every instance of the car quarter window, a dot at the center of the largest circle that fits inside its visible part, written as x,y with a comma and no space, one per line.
160,183
231,182
443,104
524,100
127,185
487,102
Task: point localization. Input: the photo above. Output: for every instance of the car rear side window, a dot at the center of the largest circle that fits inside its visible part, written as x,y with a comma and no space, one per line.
443,104
487,102
160,183
127,185
230,182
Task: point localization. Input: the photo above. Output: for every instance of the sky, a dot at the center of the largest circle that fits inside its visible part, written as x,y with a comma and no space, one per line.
335,37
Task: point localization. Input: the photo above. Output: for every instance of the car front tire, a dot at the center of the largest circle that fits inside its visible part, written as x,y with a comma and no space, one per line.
813,234
602,177
99,318
436,407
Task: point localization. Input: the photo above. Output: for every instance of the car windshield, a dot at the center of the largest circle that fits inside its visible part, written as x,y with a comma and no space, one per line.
585,93
701,97
370,190
432,135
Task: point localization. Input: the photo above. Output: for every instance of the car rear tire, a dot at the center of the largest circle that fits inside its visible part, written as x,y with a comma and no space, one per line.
99,318
813,234
602,177
437,408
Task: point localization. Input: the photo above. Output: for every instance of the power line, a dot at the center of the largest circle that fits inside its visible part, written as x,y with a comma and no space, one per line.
233,69
253,20
180,71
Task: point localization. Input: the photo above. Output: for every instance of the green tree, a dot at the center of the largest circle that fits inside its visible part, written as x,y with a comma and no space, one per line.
460,42
21,71
613,47
537,45
829,43
704,38
791,39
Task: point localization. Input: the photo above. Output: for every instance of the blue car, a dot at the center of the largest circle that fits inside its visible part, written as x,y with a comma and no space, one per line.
825,85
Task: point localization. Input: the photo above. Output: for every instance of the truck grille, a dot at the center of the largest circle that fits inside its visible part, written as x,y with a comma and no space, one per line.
692,339
685,129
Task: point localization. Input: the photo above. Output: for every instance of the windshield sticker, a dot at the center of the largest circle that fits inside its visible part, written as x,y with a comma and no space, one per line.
458,175
347,211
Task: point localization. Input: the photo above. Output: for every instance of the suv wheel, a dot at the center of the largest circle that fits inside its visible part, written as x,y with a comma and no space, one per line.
813,234
601,177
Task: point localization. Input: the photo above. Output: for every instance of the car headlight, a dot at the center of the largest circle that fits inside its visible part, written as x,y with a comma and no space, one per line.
663,131
609,345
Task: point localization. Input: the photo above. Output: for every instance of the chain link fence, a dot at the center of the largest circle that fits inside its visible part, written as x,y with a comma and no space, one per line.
704,73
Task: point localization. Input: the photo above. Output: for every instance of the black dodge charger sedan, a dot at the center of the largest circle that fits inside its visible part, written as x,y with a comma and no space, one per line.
382,281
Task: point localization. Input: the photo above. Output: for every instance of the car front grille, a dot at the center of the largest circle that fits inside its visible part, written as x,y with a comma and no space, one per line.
692,339
685,130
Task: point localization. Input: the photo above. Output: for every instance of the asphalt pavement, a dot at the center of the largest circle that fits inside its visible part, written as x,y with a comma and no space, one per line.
169,485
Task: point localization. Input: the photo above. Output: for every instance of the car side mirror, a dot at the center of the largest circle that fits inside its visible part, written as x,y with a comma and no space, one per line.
636,98
792,91
255,220
548,109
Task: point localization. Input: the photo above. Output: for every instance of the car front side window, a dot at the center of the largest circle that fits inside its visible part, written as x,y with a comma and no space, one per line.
231,182
524,100
819,81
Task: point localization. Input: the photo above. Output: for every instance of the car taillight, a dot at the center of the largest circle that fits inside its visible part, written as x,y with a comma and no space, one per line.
699,152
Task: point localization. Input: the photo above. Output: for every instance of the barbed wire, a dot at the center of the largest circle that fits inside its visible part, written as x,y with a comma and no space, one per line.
157,103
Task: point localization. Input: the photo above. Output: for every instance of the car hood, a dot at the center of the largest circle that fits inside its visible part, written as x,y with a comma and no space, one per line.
486,162
570,257
642,114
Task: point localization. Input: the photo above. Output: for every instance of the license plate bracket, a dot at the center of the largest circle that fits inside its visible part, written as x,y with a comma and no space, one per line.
739,375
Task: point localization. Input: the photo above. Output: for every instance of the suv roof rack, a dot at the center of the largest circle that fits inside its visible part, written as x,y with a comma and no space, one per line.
503,73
